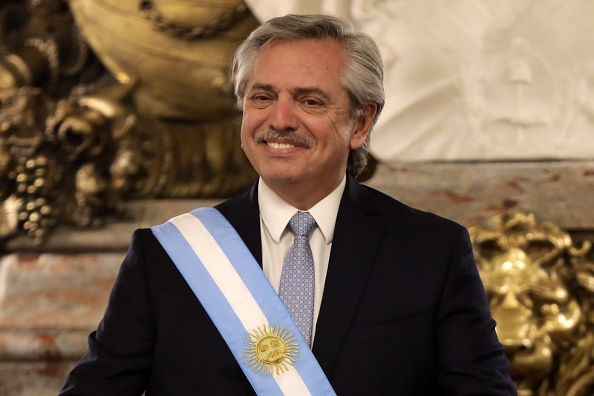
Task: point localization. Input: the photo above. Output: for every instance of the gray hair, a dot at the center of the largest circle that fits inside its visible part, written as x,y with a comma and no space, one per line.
363,76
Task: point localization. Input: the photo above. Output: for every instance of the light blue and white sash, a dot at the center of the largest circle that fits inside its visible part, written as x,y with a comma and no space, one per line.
242,304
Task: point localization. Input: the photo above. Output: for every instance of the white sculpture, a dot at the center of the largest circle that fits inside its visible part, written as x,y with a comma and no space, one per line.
475,79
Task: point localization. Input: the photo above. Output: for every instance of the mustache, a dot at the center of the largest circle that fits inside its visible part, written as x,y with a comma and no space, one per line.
290,136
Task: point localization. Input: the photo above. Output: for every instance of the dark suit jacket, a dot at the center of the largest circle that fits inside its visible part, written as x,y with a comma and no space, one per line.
403,313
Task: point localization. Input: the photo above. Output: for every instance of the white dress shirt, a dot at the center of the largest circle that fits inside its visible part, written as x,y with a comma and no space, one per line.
277,237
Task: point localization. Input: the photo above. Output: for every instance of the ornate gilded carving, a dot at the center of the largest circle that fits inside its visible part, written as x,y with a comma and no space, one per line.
74,142
46,160
75,165
230,15
541,293
177,78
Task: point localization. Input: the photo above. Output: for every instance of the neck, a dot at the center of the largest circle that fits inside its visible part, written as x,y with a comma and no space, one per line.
302,197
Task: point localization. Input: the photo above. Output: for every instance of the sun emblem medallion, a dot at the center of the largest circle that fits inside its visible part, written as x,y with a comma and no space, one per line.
271,350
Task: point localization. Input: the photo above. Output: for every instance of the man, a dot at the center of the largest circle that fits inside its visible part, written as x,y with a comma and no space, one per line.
397,306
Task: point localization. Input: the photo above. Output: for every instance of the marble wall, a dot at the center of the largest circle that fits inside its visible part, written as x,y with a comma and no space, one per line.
53,295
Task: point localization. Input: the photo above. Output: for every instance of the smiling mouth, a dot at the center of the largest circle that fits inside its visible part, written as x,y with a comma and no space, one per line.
279,145
283,140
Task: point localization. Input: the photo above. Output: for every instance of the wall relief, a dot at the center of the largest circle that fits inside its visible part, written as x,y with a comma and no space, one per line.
475,80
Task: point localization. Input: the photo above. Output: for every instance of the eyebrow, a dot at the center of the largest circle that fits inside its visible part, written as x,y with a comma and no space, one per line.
298,91
259,86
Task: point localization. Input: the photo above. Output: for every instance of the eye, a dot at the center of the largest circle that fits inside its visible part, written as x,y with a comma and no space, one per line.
260,100
312,102
260,97
313,105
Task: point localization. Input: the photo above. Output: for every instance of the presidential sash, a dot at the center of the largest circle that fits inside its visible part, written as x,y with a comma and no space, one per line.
243,305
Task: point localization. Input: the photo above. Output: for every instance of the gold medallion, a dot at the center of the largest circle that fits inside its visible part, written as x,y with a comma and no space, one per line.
271,350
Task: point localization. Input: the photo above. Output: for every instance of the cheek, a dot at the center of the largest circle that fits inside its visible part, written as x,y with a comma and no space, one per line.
338,127
247,125
253,120
242,134
246,137
343,134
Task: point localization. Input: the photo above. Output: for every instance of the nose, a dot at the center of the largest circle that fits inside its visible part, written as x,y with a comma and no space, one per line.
283,116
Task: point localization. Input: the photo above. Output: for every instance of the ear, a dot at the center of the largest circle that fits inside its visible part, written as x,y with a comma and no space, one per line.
363,125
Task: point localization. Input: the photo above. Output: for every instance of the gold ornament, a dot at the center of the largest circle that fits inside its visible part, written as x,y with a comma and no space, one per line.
537,283
271,350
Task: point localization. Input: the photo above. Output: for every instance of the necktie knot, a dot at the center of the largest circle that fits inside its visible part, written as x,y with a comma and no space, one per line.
302,223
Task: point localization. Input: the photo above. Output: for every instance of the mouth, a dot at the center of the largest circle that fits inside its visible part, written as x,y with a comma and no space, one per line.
283,140
279,146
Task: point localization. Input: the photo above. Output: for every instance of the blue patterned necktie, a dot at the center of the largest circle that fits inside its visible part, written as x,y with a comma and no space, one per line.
297,283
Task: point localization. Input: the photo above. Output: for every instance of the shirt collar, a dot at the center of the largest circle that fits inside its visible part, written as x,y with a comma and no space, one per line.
276,213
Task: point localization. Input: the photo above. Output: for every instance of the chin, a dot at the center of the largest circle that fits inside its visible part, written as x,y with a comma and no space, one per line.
279,180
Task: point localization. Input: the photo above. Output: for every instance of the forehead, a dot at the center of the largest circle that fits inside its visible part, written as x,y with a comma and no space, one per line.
305,63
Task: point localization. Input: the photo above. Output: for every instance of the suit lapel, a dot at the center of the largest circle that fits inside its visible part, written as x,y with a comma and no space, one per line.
357,236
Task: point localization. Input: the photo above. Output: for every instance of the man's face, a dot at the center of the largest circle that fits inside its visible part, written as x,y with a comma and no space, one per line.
296,126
